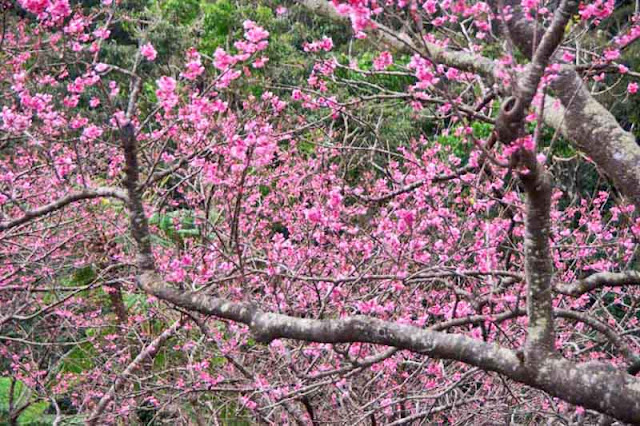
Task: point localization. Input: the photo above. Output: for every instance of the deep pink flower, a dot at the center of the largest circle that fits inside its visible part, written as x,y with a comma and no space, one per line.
383,61
148,51
254,33
611,54
34,6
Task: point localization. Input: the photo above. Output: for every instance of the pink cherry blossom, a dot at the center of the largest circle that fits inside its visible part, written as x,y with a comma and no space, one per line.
166,92
222,60
611,54
91,132
383,61
102,33
148,51
194,66
35,6
202,247
260,62
254,33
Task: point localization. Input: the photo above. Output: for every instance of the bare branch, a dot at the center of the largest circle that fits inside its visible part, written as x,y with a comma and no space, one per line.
86,194
418,184
600,279
148,351
528,85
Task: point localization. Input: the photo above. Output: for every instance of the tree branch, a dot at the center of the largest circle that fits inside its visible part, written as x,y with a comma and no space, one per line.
593,385
600,279
148,351
537,183
464,61
596,386
577,115
63,202
410,187
582,119
528,84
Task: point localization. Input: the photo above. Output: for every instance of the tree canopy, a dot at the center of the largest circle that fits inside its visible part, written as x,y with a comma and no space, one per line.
304,212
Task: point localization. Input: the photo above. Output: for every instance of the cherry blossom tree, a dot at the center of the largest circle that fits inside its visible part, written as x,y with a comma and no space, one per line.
176,248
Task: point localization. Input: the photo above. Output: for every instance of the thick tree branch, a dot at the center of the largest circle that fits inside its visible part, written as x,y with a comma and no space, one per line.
612,335
528,84
402,42
594,130
538,264
581,118
139,222
537,184
86,194
600,279
577,115
593,385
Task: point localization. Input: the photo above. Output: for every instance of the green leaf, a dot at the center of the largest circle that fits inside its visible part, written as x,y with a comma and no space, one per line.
135,300
79,359
34,415
188,233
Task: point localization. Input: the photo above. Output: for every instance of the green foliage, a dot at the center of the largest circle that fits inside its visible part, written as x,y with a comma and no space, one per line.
306,148
460,147
170,233
183,12
218,24
34,415
617,305
481,130
82,276
135,301
229,416
78,277
79,359
21,395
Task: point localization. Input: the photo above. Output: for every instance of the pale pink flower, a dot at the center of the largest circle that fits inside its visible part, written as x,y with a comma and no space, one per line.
102,33
254,33
260,62
430,6
166,84
222,60
91,132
